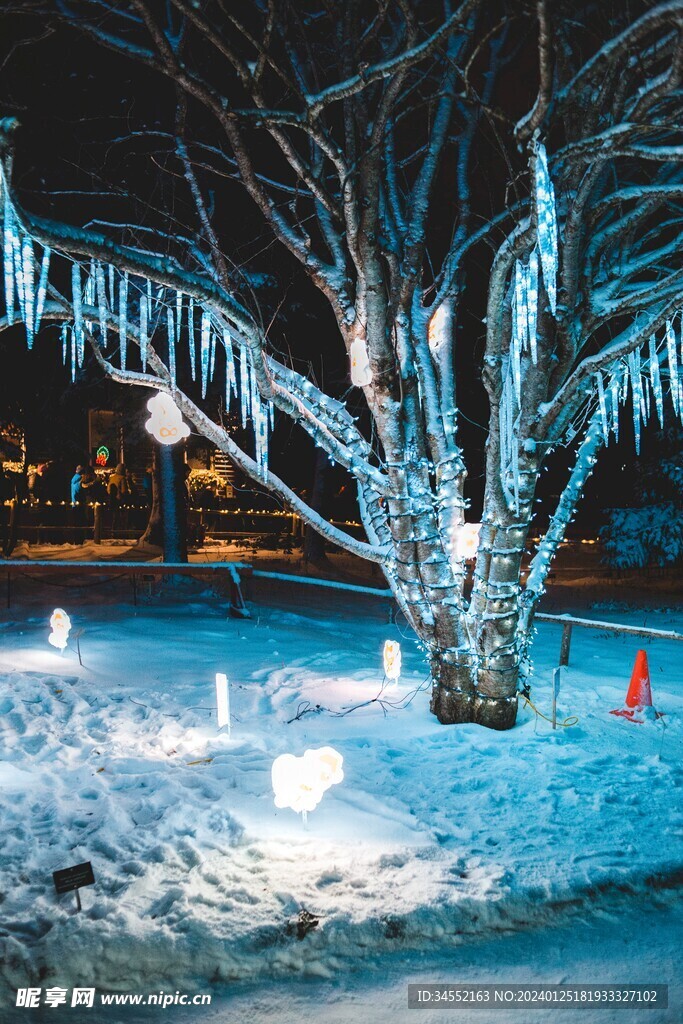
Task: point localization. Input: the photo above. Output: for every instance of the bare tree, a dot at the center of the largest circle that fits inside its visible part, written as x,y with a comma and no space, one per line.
361,132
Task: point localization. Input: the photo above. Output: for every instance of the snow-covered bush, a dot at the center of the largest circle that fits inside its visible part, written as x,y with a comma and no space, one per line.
652,532
651,535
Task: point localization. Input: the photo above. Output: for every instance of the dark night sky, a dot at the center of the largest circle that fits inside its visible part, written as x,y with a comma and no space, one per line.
75,101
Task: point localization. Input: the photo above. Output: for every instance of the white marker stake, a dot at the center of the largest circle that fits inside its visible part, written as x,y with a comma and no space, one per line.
223,701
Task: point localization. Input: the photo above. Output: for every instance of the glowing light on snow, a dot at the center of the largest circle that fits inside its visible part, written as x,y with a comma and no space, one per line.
392,659
166,423
467,540
299,782
60,624
222,700
361,374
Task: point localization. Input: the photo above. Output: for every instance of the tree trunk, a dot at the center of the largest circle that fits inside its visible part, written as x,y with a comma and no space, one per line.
480,684
456,698
496,607
453,693
173,499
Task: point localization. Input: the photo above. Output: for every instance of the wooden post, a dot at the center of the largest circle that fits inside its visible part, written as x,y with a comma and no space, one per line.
566,643
97,523
12,527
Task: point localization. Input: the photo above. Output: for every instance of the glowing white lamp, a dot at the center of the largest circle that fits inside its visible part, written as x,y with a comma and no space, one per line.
60,624
166,422
392,659
222,701
361,374
299,782
467,540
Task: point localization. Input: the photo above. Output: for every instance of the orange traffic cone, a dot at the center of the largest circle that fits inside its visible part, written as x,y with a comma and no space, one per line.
639,694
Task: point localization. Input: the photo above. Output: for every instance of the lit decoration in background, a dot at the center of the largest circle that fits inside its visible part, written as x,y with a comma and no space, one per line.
392,659
60,624
102,456
222,701
166,423
361,374
467,540
299,782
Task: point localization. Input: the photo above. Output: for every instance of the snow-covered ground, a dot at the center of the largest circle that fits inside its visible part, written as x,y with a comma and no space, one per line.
437,841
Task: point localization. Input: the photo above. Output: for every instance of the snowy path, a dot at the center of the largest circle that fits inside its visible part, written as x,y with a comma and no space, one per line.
619,943
436,836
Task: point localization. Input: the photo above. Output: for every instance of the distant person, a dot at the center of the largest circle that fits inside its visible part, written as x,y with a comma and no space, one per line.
147,486
133,490
35,483
118,487
187,471
8,491
51,482
77,486
118,490
8,488
89,484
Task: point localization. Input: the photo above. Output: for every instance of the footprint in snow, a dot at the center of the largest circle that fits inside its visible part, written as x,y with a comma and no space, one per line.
143,814
392,860
34,745
162,906
132,867
16,723
329,878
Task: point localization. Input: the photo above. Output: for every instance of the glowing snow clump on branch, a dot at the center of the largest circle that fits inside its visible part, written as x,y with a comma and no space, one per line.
467,540
361,374
166,422
437,331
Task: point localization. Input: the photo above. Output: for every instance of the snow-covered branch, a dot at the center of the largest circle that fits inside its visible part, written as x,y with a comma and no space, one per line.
586,457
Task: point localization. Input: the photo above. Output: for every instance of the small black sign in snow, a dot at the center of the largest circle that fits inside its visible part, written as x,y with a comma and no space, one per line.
73,878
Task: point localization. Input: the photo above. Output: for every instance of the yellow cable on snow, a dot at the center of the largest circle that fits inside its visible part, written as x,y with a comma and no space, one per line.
567,724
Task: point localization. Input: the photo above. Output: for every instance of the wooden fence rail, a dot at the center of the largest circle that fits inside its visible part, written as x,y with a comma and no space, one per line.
568,622
236,570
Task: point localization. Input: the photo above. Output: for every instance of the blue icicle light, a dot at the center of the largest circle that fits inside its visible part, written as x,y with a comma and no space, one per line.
546,225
